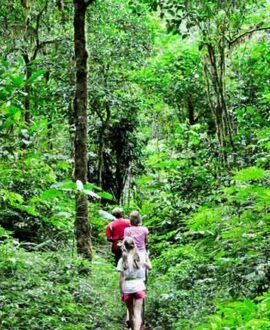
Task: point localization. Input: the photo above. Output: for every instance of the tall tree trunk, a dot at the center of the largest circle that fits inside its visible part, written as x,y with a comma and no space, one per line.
27,89
82,224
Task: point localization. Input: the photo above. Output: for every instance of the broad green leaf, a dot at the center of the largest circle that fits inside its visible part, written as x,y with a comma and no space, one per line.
250,174
28,209
50,194
35,76
91,186
105,195
90,193
65,185
18,80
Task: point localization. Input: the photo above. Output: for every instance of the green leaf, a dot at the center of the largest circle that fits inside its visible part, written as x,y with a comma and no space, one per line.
105,195
90,193
91,186
18,81
11,197
65,185
250,174
27,208
50,194
35,76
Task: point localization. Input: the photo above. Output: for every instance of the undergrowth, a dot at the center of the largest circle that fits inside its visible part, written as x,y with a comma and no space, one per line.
55,291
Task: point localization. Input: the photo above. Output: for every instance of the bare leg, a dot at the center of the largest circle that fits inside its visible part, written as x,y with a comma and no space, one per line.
127,318
130,308
137,310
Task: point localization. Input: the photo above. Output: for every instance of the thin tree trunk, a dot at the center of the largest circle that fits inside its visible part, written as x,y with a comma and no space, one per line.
82,224
100,160
50,119
216,79
28,60
50,131
101,143
104,125
191,112
27,89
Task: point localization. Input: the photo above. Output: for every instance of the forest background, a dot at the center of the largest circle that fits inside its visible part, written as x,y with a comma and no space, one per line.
178,128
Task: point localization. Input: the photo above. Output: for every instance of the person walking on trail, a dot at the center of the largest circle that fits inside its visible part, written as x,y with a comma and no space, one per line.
132,285
115,232
138,232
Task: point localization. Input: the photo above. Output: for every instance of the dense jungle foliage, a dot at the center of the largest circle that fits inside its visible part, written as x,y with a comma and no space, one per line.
178,113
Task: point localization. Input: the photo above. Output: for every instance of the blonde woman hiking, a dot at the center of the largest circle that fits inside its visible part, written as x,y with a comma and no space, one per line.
139,233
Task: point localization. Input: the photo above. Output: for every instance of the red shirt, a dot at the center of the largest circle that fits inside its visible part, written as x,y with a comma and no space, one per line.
115,231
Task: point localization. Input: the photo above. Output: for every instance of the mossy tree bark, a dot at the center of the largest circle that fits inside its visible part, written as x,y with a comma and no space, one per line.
82,223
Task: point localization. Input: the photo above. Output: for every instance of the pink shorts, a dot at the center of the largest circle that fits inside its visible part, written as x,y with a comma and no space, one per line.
136,295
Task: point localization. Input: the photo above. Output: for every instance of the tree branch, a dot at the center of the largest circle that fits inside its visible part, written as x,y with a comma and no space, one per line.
39,15
232,42
47,42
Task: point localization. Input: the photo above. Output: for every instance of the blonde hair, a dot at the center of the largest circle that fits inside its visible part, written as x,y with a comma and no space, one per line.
135,218
129,248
